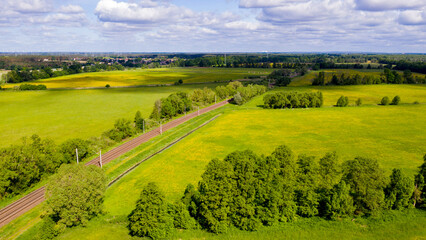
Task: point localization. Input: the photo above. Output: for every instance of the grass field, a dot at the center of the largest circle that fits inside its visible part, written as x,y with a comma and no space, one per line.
394,135
149,77
64,114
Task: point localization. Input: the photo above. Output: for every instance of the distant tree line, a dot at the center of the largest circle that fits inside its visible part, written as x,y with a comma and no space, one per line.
26,75
388,76
247,191
293,100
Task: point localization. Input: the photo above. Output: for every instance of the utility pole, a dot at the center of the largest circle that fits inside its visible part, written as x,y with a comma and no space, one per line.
143,126
214,99
161,128
100,157
198,111
76,154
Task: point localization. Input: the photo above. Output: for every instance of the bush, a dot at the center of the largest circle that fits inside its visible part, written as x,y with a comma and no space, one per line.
107,86
122,129
68,149
396,100
385,101
358,102
342,102
292,100
150,217
238,99
75,194
27,87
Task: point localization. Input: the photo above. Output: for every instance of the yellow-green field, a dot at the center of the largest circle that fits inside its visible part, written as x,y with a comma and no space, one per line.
64,114
394,135
149,77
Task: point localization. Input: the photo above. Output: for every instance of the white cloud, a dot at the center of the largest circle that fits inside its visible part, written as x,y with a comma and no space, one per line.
71,9
412,17
383,5
146,12
261,3
29,6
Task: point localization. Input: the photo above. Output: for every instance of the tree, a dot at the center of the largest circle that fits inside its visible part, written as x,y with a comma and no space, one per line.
68,149
320,79
384,101
342,102
340,202
216,195
150,217
107,86
75,194
307,198
420,185
139,121
396,100
238,99
399,190
367,182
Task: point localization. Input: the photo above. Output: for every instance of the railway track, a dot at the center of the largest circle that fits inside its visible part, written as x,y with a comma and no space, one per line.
24,204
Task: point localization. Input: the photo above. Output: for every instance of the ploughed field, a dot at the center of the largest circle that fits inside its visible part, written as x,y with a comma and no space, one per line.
156,76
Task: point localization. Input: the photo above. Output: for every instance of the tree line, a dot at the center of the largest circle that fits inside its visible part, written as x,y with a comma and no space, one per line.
26,74
248,191
388,76
293,100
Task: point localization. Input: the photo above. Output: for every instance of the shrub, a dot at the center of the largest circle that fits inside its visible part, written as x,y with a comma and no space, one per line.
107,86
396,100
238,99
385,101
27,87
342,102
358,102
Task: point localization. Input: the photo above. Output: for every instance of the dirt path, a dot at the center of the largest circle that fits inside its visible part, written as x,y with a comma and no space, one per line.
26,203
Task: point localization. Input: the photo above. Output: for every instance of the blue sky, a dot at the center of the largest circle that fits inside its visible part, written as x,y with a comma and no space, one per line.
213,26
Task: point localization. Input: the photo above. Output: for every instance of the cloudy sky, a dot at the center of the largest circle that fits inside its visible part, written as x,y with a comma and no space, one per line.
213,25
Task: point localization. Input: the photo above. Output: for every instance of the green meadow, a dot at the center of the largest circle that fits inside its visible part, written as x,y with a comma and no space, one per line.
64,114
156,76
394,135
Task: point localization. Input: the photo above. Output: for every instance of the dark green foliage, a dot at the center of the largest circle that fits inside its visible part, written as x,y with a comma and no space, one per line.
107,86
396,100
26,87
292,100
306,196
150,217
68,150
358,102
280,77
342,102
122,129
329,170
385,101
420,185
139,121
319,80
339,202
367,182
23,165
181,217
216,194
75,194
243,209
399,190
